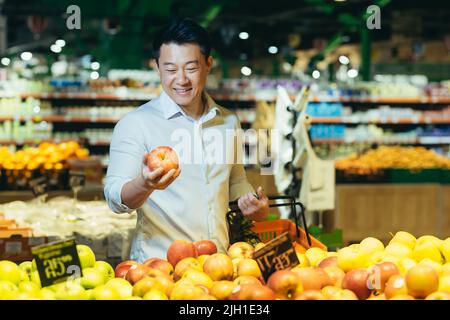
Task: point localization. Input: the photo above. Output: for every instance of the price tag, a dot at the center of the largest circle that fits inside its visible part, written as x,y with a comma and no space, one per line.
278,254
77,178
13,247
39,186
57,261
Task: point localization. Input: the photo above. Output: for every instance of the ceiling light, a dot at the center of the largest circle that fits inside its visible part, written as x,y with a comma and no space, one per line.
25,56
60,43
344,60
94,75
95,65
273,49
244,35
6,61
352,73
316,74
246,71
54,48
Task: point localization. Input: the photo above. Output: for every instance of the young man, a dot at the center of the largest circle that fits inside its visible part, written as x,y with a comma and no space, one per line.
191,202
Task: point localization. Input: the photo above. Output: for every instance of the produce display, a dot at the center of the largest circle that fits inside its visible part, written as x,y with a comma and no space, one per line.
47,156
49,160
386,157
407,268
63,217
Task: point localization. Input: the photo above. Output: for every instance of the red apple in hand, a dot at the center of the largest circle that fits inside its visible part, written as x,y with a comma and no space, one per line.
162,157
205,247
180,249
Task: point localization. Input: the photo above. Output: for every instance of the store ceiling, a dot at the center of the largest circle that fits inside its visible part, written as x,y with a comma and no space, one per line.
285,23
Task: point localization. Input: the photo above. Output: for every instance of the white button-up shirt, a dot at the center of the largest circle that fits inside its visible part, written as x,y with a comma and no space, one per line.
193,207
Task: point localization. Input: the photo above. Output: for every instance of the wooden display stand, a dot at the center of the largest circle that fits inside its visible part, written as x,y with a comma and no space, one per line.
381,210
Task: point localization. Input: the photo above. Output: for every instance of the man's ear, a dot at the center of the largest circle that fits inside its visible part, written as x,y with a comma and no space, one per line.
155,65
209,63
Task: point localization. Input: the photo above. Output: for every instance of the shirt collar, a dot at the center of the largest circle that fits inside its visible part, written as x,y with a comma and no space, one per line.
171,109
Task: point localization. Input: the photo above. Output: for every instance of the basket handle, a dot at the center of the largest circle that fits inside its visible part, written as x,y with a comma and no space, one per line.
233,205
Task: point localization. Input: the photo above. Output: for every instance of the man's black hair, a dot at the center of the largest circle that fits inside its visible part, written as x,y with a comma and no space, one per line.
182,31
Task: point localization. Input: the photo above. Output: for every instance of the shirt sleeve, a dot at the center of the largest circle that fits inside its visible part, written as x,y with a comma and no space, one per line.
239,184
125,161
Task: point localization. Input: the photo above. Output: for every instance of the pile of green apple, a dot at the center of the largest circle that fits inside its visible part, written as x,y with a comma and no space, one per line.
21,282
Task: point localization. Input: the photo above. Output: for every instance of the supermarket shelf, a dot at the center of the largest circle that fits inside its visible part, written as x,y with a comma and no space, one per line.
354,120
231,97
420,140
88,96
32,141
422,100
325,120
393,100
104,143
61,118
99,143
37,141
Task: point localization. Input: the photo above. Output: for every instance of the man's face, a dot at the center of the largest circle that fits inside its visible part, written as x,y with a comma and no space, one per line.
183,71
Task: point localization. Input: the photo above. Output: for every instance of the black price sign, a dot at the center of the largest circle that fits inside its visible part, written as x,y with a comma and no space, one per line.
77,179
277,254
39,186
57,261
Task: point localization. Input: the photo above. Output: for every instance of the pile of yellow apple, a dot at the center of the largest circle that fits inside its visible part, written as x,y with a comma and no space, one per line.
386,157
47,156
407,268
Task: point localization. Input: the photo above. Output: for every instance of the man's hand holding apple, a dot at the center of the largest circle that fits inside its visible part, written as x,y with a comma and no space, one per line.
160,168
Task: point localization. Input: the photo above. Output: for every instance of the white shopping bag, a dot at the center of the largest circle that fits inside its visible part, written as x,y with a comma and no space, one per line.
317,191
